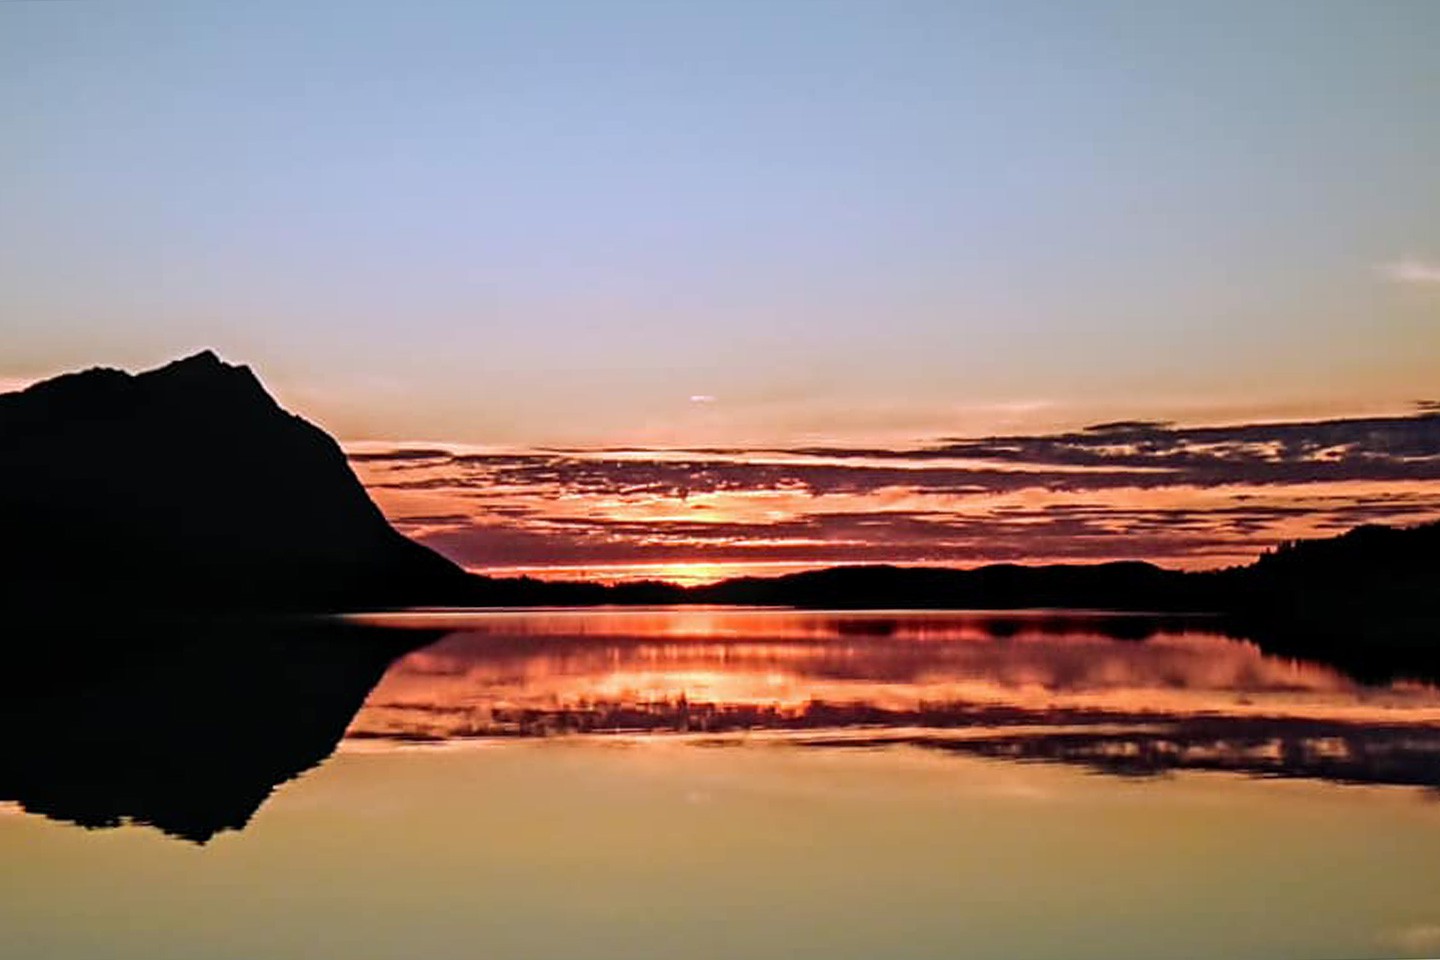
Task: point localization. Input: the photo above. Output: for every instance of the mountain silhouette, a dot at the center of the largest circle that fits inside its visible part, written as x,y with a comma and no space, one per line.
188,487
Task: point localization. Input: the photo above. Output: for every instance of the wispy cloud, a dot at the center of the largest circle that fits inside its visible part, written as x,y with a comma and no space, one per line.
1412,270
1121,490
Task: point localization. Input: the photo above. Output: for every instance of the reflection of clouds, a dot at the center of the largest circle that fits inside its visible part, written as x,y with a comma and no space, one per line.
1018,686
944,668
1130,490
1261,746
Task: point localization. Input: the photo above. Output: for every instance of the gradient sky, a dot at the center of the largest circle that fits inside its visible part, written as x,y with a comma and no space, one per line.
560,222
757,266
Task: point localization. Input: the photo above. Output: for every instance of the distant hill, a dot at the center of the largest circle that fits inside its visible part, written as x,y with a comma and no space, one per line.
189,488
1372,573
1114,586
1358,574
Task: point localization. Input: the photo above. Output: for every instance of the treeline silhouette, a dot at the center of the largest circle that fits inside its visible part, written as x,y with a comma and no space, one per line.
1366,572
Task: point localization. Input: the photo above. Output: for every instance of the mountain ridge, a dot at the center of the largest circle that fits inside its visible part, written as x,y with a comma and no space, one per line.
188,487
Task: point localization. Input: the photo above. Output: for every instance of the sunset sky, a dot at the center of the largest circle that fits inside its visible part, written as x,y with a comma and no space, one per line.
789,263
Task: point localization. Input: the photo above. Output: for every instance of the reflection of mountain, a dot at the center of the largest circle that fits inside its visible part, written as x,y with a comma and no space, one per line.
186,730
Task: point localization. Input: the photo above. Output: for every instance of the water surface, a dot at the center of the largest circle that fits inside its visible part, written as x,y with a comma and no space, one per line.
714,783
1137,694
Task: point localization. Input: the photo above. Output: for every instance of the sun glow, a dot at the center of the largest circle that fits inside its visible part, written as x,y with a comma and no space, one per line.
684,573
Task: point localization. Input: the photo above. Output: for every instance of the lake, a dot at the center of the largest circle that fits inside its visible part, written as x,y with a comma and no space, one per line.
696,782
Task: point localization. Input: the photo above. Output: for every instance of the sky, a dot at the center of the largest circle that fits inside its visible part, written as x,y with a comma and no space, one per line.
746,225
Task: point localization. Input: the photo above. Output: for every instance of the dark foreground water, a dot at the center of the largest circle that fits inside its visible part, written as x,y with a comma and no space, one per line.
703,783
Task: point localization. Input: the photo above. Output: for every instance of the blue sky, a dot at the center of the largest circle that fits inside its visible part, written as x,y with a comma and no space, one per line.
559,222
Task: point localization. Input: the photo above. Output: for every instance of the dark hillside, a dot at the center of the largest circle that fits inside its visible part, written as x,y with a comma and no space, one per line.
188,487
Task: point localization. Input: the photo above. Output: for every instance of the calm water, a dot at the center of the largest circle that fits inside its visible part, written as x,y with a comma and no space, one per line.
716,783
